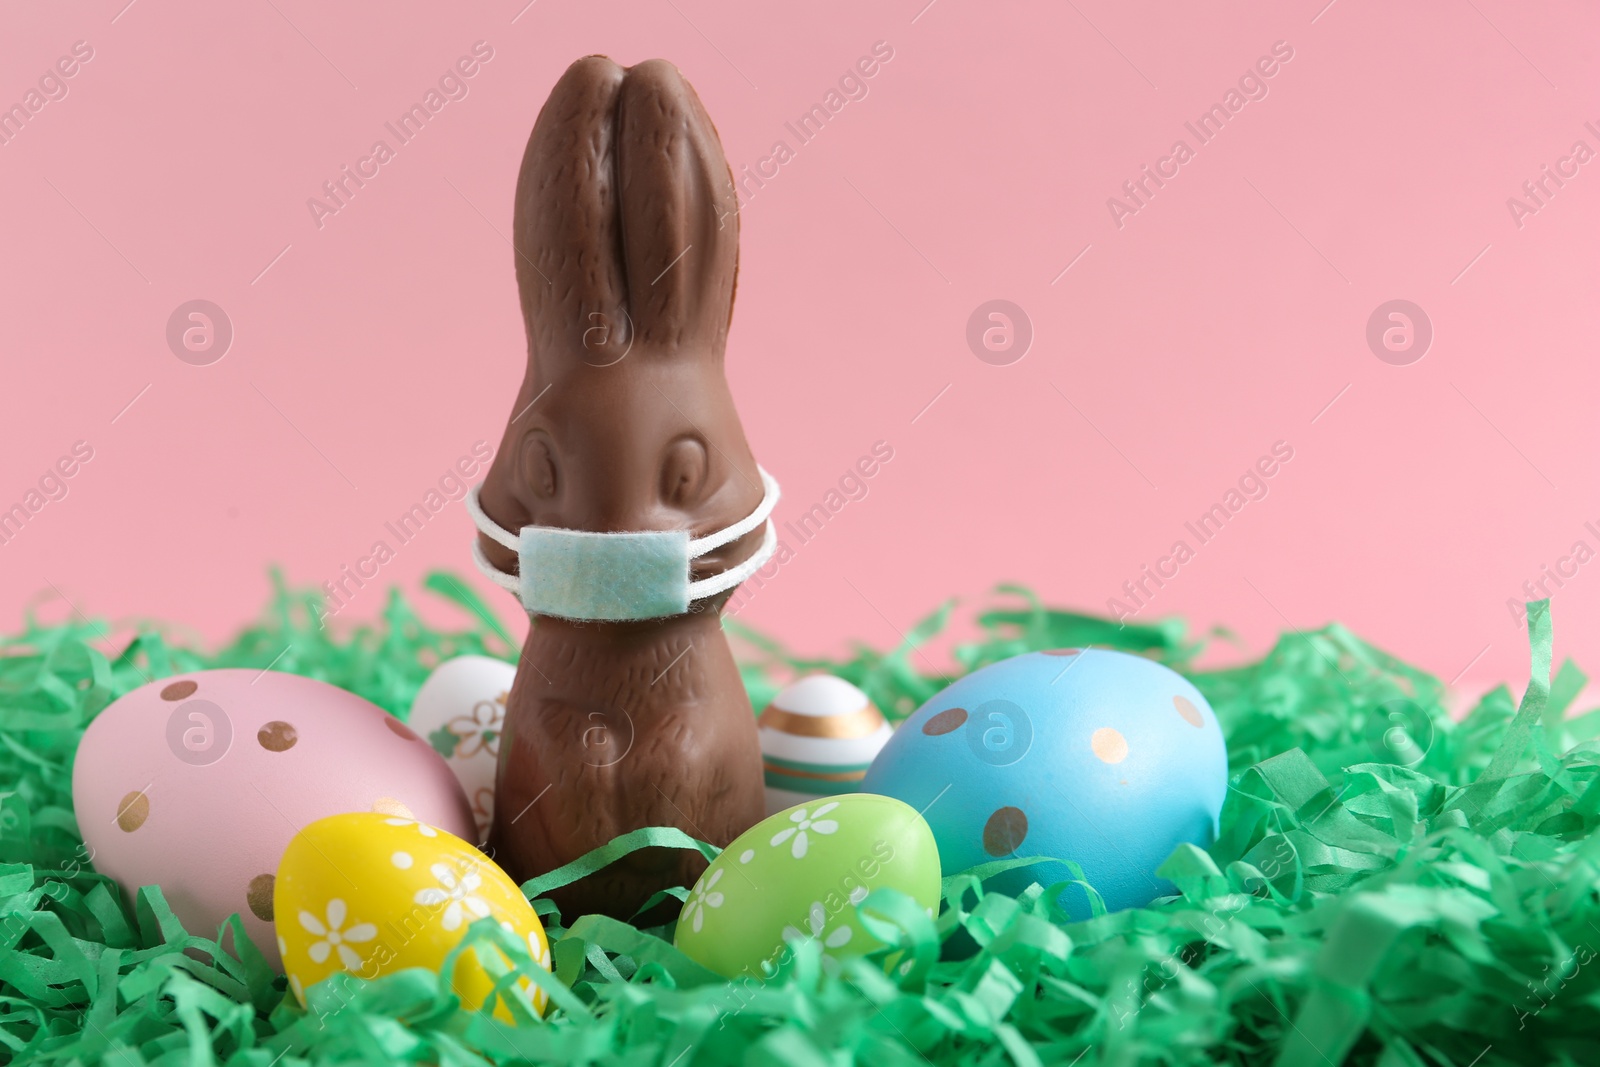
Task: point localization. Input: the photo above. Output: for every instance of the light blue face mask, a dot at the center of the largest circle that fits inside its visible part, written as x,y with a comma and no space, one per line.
579,574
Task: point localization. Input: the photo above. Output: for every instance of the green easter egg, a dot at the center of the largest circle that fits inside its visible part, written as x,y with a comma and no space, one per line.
800,874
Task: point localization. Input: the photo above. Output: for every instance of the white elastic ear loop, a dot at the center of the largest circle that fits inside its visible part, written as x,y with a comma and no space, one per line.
485,524
769,500
731,577
511,583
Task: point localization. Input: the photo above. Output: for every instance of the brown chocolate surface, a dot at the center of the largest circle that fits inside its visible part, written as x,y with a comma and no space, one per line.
626,248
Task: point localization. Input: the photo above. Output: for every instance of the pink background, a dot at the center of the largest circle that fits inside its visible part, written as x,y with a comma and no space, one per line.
1224,316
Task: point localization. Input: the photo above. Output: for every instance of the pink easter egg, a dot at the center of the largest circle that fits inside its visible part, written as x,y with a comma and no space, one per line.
196,783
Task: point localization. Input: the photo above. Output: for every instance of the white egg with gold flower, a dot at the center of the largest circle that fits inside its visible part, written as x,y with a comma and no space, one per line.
818,737
461,709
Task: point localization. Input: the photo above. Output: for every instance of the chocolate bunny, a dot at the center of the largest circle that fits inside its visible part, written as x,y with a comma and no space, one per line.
624,503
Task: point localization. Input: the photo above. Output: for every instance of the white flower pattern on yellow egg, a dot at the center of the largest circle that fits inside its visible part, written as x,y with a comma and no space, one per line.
541,952
333,937
806,822
456,894
423,828
704,896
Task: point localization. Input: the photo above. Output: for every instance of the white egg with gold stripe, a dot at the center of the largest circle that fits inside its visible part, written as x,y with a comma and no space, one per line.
818,737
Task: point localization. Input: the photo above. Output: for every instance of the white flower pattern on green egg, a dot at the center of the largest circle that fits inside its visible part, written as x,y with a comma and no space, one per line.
806,821
817,922
704,896
333,937
456,894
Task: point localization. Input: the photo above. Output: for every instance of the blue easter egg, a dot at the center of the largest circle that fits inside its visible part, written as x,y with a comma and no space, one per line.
1103,758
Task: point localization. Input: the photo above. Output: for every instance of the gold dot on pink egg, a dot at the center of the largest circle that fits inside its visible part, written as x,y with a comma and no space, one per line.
277,736
391,806
400,729
180,690
132,810
1190,713
259,896
1109,745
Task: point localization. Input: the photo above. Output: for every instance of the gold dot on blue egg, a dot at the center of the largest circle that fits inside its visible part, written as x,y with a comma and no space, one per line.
1004,831
945,722
1109,745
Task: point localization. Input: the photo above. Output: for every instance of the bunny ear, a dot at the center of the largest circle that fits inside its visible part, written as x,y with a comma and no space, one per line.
680,222
565,230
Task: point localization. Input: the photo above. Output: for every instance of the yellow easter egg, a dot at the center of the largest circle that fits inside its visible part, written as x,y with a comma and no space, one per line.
372,894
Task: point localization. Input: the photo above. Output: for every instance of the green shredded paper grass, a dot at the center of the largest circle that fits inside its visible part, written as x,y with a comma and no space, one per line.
1390,886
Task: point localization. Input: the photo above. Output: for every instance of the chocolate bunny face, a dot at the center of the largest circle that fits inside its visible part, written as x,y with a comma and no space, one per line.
626,240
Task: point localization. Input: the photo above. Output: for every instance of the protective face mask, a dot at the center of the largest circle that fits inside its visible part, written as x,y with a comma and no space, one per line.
580,574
